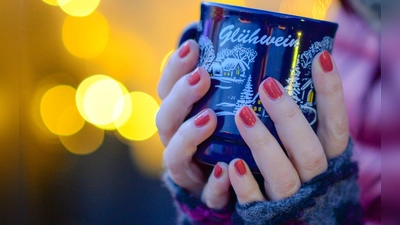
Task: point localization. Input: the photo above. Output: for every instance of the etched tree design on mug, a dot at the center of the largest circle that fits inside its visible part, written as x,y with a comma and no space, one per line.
245,55
207,53
246,96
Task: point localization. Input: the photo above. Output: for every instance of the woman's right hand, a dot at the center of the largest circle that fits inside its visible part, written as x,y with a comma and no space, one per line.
180,87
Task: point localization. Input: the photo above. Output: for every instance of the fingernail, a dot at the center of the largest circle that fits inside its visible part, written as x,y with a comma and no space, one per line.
247,116
194,78
218,171
272,88
184,50
202,118
326,62
240,167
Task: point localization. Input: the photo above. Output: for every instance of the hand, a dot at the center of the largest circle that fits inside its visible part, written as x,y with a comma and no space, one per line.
179,88
308,152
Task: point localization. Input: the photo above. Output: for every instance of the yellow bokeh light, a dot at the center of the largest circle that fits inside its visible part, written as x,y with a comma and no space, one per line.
78,7
102,101
39,129
127,58
231,2
141,124
59,112
320,9
62,2
86,141
147,156
315,9
85,37
81,90
165,59
51,2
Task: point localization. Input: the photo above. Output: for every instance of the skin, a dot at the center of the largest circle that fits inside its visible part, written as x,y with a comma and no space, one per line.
308,152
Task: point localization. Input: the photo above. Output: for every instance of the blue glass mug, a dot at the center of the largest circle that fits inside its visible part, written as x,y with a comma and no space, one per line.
240,47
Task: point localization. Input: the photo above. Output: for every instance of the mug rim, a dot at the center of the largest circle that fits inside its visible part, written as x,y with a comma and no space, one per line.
236,8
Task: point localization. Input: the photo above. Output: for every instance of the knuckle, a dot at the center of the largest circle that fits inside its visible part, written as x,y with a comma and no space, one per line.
186,64
335,139
262,142
161,91
215,203
173,166
181,93
290,113
214,198
341,131
168,162
316,163
212,203
185,132
247,192
288,184
334,87
165,128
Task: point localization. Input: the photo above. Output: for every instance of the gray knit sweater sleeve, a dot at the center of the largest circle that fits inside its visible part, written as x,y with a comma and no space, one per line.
330,198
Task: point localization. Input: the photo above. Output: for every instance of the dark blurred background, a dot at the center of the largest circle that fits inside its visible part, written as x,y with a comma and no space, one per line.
77,105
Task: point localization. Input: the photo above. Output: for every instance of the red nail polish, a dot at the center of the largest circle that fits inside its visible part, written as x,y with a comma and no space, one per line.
247,116
202,118
184,50
194,78
272,88
218,171
240,167
326,62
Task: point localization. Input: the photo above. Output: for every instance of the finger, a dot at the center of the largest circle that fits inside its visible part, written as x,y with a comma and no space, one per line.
333,128
177,105
180,63
216,192
179,152
243,182
281,178
300,141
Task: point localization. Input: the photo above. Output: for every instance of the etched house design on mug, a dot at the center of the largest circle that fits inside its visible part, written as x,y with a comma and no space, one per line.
231,67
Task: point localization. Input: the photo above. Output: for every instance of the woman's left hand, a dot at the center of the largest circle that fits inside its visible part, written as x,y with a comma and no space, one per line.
307,152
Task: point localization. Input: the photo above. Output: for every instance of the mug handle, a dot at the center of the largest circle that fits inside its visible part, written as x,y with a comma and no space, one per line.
190,32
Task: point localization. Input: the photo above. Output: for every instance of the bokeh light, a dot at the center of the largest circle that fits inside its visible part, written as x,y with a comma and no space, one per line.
315,9
47,81
165,59
141,124
127,58
78,7
59,112
85,37
320,9
51,2
81,90
100,100
84,142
